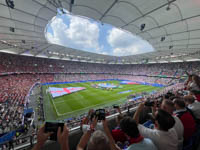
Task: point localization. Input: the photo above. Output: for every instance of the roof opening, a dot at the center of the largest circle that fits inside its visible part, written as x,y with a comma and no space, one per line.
85,34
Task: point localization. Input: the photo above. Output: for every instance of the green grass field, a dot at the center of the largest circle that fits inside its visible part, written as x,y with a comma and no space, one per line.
77,103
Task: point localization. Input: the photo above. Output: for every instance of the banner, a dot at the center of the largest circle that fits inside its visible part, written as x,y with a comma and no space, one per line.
28,110
135,98
7,137
56,92
125,92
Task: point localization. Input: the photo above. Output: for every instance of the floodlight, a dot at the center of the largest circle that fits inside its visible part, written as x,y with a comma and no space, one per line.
10,3
168,8
12,29
72,1
142,26
162,39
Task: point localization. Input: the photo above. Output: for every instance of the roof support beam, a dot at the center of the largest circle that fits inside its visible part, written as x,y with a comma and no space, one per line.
108,9
44,6
176,40
22,22
149,12
26,49
170,23
22,29
180,45
174,33
42,50
20,41
26,13
21,35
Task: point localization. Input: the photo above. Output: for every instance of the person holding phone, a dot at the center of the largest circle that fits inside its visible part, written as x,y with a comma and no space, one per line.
99,114
163,135
117,133
62,137
135,140
94,139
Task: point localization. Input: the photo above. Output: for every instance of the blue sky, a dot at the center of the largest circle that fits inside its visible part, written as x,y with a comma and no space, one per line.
88,35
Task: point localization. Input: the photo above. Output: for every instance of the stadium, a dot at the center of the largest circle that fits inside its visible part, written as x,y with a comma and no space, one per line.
62,61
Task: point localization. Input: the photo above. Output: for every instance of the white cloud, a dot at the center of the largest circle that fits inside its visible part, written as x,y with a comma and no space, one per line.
125,51
124,43
80,33
83,34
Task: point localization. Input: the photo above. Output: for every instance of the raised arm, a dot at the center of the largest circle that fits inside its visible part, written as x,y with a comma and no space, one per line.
86,136
119,110
63,138
136,116
41,138
84,140
154,108
111,140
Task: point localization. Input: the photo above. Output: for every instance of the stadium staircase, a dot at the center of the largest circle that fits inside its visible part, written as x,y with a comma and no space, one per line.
161,72
175,73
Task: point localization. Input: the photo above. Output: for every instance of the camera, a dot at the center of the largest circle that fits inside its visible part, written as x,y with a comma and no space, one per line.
53,127
100,114
151,103
115,106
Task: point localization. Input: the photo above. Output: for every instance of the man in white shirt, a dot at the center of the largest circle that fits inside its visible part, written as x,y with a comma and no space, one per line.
135,140
168,106
193,105
163,136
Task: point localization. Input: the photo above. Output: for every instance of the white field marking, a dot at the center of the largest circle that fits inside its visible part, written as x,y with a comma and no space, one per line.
55,107
53,103
80,109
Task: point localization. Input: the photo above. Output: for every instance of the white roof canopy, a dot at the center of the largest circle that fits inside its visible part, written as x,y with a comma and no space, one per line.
178,21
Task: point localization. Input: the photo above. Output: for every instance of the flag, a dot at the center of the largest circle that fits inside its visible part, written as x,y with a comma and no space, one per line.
56,92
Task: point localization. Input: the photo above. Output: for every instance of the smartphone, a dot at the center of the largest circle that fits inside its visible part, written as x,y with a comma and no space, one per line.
100,114
53,127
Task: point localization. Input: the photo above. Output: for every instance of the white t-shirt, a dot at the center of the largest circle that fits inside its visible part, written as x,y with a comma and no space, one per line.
163,140
195,107
178,126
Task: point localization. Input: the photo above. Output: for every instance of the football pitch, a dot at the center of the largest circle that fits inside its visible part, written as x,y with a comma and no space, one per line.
77,103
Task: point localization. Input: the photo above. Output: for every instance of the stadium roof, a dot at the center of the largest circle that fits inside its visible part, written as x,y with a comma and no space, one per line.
171,26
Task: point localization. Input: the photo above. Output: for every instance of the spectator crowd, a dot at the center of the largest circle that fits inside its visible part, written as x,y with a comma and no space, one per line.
175,120
174,124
